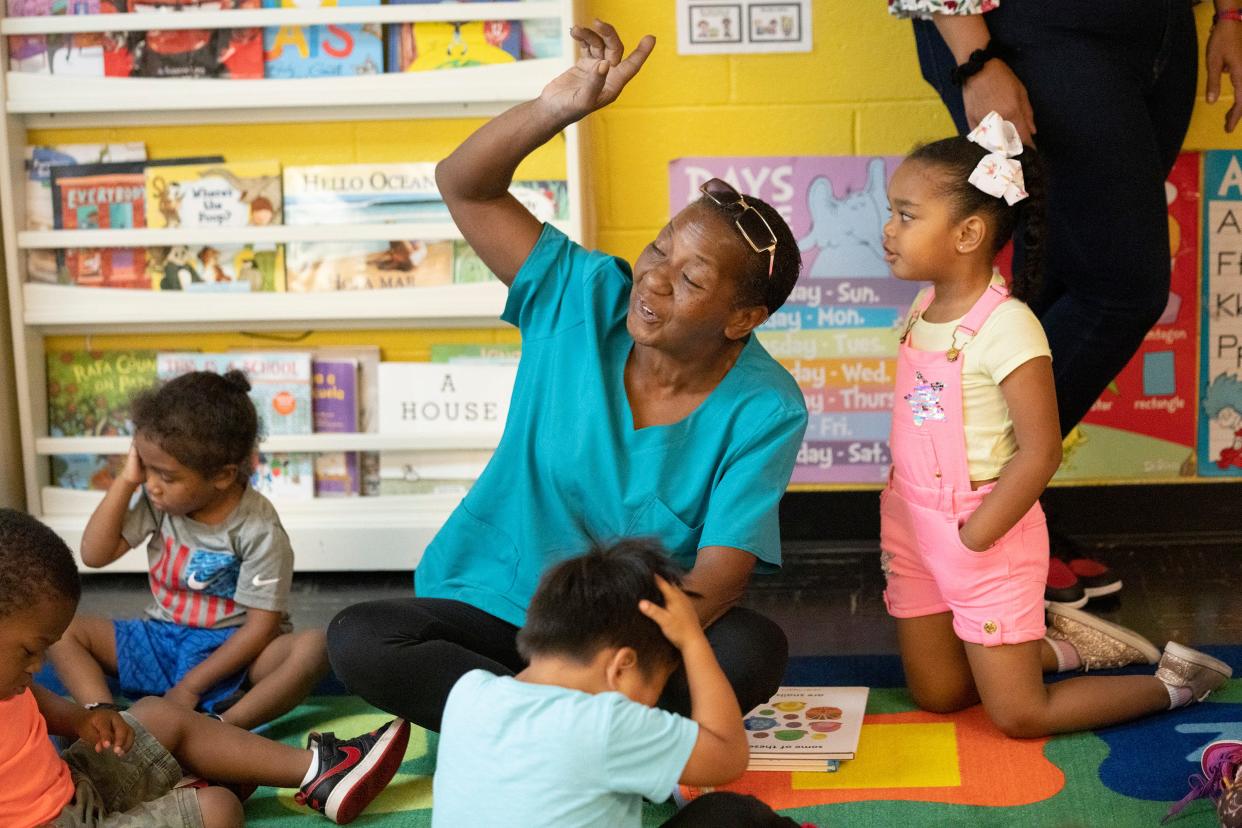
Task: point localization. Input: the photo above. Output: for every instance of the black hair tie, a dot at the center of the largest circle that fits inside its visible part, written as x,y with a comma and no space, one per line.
974,64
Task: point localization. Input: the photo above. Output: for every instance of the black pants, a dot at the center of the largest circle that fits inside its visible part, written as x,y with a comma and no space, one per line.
404,655
724,809
1112,85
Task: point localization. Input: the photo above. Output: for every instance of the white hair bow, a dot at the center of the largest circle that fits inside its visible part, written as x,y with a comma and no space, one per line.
998,173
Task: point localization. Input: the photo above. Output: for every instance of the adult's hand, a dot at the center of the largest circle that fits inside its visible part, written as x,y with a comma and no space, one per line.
1224,54
600,74
996,87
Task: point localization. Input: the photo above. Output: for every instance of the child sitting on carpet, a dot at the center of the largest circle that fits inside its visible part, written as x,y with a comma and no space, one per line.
575,739
974,442
220,567
125,768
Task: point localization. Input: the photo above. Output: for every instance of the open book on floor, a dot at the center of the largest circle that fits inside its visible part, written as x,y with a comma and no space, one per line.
806,728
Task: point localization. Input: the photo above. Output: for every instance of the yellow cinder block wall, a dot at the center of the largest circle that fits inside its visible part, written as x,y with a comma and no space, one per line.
858,92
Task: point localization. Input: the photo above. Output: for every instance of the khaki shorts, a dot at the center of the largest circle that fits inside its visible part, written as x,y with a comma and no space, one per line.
131,791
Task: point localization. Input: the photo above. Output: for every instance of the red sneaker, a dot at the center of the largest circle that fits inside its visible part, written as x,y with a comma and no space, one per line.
1096,578
1063,586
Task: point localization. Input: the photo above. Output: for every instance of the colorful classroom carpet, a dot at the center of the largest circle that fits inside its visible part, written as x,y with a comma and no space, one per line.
913,768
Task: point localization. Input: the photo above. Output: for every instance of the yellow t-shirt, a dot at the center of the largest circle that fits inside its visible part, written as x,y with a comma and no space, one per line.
1010,337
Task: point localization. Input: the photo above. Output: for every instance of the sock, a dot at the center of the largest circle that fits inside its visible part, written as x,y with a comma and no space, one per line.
1067,655
1178,696
313,770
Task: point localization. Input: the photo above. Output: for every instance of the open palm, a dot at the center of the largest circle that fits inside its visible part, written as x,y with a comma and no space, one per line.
600,74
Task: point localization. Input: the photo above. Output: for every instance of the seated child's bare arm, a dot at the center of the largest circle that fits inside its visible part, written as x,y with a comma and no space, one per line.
720,753
102,542
105,729
1032,402
259,629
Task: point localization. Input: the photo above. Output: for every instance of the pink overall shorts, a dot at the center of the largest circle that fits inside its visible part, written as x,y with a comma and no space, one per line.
997,595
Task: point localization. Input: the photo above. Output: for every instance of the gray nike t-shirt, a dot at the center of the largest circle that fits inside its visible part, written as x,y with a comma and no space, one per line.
208,576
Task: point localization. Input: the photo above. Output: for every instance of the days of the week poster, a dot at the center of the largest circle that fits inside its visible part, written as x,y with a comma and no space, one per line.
1220,366
837,333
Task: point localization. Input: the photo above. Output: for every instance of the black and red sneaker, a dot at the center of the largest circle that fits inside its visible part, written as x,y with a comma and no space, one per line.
1063,586
352,772
1095,576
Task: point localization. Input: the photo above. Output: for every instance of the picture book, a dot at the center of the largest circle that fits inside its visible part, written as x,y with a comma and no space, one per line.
280,382
280,387
233,194
498,353
284,476
467,266
430,472
419,47
363,265
367,359
183,53
77,53
103,196
362,194
449,399
233,268
41,265
322,51
335,406
541,38
88,395
546,200
801,728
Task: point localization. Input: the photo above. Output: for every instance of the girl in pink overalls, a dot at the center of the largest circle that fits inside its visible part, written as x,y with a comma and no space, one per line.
975,440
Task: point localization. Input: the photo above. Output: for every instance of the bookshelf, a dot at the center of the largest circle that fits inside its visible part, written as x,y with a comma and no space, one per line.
376,533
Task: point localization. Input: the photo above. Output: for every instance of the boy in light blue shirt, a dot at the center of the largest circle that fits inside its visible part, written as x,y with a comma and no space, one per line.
575,739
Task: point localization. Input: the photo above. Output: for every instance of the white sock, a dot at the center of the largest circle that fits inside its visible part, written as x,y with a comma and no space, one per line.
1067,655
313,770
1178,696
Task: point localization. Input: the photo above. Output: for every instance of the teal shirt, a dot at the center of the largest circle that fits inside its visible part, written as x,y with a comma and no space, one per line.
571,470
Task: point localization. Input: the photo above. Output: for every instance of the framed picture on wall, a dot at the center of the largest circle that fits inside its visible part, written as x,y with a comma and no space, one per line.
775,23
715,23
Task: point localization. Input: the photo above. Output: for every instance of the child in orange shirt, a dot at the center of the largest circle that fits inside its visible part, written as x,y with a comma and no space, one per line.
124,770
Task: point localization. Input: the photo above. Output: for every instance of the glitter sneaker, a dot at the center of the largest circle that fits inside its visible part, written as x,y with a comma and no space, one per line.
1221,780
352,772
1101,644
1180,666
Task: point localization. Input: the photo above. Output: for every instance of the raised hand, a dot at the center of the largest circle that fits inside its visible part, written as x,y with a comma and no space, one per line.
600,74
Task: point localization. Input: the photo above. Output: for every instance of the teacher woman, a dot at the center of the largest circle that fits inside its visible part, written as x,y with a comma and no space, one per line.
643,406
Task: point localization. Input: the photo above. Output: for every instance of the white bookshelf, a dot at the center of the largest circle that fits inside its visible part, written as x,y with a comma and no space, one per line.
328,533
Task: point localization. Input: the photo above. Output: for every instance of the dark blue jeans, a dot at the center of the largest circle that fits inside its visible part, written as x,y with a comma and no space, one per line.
1112,85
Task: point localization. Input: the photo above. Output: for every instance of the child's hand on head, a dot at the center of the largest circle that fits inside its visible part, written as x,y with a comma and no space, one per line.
677,618
106,730
134,471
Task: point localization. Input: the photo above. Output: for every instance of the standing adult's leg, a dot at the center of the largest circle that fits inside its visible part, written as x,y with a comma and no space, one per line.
405,655
752,651
1090,82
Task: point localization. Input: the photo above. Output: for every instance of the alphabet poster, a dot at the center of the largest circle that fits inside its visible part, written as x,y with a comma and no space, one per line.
1143,426
1220,366
837,333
